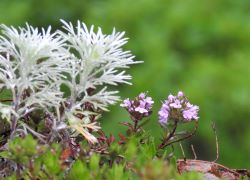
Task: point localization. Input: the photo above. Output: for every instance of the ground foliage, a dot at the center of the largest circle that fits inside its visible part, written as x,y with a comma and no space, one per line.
132,160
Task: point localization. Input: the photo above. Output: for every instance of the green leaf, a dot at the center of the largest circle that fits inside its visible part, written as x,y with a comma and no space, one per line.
173,162
13,177
117,172
131,150
79,171
5,154
94,162
51,162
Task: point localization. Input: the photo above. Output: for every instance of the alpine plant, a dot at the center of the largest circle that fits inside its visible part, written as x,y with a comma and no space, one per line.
179,109
140,107
36,64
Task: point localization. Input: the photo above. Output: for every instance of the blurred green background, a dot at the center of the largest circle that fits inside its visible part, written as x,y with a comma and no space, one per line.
200,47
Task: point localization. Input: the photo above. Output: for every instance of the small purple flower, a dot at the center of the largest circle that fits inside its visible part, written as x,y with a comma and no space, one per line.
142,96
139,107
177,108
163,114
141,110
176,104
171,98
191,112
180,94
127,104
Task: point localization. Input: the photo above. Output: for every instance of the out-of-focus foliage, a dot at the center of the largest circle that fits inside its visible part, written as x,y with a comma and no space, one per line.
200,47
45,162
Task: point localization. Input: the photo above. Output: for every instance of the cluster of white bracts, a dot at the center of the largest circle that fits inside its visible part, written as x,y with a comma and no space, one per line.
37,63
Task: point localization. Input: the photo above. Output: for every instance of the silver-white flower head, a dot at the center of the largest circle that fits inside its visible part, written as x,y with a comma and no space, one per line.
30,61
98,60
35,56
34,63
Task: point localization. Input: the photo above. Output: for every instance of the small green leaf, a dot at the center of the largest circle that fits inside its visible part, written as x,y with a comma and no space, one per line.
79,171
51,163
116,172
173,162
94,162
131,149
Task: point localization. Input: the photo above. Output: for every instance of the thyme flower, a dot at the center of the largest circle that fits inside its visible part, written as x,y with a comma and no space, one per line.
139,107
177,108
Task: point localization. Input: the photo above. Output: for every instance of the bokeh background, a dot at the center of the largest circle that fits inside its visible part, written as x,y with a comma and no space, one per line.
200,47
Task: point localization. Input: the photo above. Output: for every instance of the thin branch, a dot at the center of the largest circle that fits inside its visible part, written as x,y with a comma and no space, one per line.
183,153
164,143
6,100
217,144
14,118
194,153
186,137
135,126
38,135
107,153
135,123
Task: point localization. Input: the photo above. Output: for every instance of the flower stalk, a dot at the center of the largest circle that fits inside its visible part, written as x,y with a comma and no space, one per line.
169,136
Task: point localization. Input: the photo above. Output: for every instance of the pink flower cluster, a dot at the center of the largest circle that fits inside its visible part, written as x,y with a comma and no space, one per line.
139,107
177,108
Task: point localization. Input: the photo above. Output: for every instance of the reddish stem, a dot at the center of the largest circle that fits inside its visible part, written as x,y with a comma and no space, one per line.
171,134
185,137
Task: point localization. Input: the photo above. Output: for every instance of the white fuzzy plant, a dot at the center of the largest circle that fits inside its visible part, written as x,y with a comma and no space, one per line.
34,64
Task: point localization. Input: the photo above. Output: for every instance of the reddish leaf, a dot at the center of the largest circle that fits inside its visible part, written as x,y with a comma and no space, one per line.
110,140
66,154
127,124
123,139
